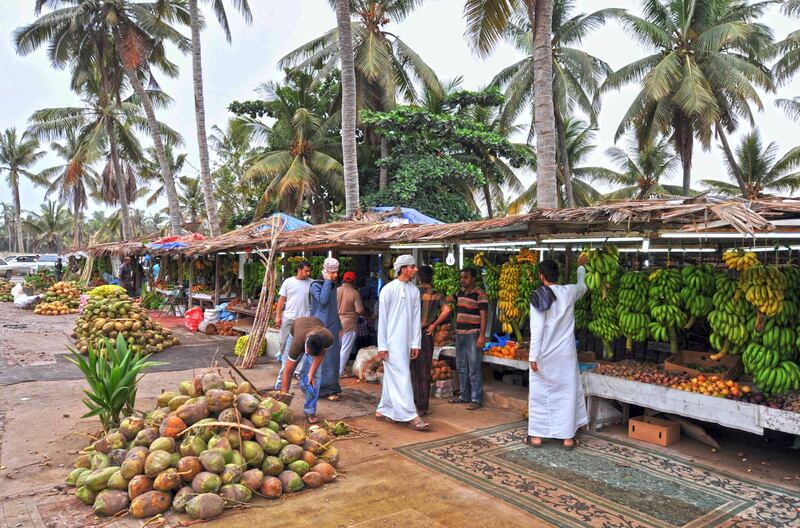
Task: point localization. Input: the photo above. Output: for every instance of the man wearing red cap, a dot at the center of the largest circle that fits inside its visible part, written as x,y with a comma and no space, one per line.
350,308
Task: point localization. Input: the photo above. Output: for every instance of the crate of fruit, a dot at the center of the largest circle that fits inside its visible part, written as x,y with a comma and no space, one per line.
694,363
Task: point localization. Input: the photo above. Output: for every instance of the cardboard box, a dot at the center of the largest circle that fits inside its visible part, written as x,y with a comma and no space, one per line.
654,430
680,363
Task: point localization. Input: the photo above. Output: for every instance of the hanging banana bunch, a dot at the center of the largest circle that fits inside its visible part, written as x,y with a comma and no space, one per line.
633,310
510,313
446,279
763,287
529,281
666,307
602,278
698,289
739,260
728,319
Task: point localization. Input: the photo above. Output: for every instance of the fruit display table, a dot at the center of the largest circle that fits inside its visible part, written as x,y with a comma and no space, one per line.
729,413
201,299
450,351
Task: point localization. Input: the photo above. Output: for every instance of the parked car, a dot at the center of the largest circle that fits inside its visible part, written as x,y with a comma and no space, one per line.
46,262
17,265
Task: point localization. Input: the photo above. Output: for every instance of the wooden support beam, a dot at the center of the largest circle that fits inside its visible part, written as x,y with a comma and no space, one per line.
216,279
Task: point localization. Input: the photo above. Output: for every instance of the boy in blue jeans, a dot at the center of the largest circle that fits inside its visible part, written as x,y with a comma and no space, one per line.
309,335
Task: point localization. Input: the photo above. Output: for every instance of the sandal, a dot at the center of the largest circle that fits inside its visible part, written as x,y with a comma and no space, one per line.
334,397
474,406
383,418
571,446
531,441
311,419
457,399
418,424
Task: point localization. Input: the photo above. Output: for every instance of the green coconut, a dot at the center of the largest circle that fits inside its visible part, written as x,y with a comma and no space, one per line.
340,429
99,461
212,461
235,494
233,438
165,397
177,401
98,480
192,413
275,426
300,467
145,437
157,461
238,459
232,474
163,443
212,380
110,502
272,466
313,480
253,478
206,482
290,453
117,482
261,417
192,446
176,458
327,471
133,465
330,455
269,441
218,400
290,481
205,506
230,386
117,456
85,495
139,485
244,388
246,403
206,433
72,478
187,388
253,453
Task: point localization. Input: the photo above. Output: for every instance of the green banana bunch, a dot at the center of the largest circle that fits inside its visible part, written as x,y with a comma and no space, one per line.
728,319
446,279
666,305
771,374
528,282
602,268
602,279
696,294
763,287
632,309
604,323
491,282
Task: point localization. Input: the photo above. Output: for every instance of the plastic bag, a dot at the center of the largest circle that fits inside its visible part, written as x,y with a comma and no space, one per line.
193,319
17,290
366,365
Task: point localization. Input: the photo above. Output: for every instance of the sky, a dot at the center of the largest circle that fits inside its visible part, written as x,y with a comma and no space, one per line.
435,30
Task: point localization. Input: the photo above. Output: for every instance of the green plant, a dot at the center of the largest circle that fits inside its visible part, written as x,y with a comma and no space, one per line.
151,300
112,376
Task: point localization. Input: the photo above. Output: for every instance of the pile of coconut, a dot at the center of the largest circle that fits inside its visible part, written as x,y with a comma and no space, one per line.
210,446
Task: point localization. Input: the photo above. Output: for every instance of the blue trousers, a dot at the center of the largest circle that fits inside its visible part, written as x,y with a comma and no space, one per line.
312,394
284,354
330,368
470,368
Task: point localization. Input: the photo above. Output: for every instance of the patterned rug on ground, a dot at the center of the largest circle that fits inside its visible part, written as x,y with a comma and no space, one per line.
605,483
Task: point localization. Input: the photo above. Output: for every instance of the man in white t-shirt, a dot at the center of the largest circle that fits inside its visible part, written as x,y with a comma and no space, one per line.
292,303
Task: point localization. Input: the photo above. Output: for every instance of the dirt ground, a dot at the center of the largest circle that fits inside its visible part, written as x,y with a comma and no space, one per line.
28,339
41,431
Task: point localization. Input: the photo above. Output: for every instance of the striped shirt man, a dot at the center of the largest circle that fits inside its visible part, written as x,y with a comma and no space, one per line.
469,304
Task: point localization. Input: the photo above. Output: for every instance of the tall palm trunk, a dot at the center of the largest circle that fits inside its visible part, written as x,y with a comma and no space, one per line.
541,18
684,143
563,150
487,197
200,118
348,106
76,221
119,182
383,182
18,213
169,183
737,171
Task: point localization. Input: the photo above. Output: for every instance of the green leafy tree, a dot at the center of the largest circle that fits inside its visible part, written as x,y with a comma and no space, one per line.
577,75
439,158
18,154
703,75
234,148
762,169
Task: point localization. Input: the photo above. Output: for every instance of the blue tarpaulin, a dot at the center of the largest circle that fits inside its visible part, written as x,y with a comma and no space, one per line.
412,215
292,223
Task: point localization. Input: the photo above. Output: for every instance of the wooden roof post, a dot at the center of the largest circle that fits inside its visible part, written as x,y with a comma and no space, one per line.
216,279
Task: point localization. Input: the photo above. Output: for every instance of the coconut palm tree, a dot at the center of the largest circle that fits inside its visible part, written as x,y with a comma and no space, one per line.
641,171
298,163
789,48
580,137
577,75
487,22
234,147
110,36
190,195
218,7
49,226
762,169
703,75
385,67
149,169
73,179
18,153
791,107
8,216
